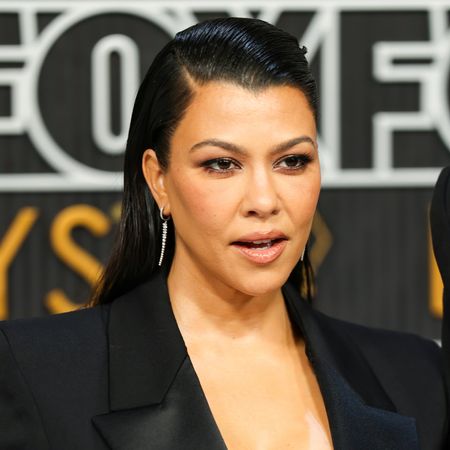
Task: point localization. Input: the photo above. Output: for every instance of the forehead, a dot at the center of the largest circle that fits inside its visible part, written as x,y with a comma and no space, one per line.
227,111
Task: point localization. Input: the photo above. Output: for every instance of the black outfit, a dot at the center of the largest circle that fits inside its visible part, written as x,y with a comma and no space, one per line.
118,376
440,231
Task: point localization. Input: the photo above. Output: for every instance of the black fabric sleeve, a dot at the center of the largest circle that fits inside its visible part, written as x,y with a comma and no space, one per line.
20,424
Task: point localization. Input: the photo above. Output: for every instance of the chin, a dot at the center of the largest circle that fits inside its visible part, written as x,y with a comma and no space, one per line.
259,284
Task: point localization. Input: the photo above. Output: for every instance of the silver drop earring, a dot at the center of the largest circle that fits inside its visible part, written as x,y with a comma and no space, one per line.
164,234
303,254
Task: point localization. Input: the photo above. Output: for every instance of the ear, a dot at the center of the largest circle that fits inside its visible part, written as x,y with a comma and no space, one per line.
155,178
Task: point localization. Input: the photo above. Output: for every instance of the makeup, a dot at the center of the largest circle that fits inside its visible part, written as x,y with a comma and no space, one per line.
261,252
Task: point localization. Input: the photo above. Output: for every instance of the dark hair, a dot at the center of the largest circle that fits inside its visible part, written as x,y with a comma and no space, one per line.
247,52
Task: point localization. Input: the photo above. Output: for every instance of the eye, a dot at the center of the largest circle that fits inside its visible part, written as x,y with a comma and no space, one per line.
294,162
220,165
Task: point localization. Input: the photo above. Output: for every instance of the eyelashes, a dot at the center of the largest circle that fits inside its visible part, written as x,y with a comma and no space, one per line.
220,165
295,162
289,163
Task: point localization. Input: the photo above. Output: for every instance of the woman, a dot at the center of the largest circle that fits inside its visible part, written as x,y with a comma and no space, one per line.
198,337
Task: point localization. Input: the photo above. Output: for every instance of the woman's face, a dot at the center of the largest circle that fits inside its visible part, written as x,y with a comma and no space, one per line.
243,168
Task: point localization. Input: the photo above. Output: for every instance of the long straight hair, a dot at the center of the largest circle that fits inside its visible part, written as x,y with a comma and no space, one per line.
250,53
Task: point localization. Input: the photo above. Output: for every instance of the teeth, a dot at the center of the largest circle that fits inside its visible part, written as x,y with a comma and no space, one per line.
266,241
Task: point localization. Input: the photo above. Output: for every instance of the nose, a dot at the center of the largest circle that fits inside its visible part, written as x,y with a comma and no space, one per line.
261,198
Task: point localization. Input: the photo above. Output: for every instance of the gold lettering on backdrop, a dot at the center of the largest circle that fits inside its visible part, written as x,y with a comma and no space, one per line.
9,246
71,253
436,286
322,243
116,211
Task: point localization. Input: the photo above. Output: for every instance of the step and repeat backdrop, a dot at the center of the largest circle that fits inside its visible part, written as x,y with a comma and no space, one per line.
69,71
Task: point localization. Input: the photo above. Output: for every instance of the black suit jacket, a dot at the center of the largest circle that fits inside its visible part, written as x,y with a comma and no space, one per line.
118,376
440,231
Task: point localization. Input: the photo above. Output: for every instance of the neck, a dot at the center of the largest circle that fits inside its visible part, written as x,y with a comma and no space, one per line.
208,309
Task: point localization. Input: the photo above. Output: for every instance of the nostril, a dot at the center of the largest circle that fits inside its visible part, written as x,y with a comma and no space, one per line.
262,212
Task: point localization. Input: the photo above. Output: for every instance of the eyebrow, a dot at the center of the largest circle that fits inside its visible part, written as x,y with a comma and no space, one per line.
240,150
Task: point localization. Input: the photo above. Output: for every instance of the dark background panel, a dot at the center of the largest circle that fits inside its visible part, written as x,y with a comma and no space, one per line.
9,28
377,270
419,149
18,155
5,101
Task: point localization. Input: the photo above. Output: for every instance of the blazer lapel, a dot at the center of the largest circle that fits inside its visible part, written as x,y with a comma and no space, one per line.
156,401
360,413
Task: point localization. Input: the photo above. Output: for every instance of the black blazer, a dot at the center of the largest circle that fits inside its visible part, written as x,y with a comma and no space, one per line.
440,231
118,376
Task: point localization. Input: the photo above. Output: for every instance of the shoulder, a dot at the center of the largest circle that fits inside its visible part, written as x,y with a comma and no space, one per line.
409,367
47,364
33,340
392,346
388,347
65,325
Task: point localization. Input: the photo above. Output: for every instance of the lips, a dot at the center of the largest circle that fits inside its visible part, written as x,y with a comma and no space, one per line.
261,244
261,237
261,248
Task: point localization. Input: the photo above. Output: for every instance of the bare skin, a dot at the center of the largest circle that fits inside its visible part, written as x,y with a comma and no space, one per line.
257,379
251,364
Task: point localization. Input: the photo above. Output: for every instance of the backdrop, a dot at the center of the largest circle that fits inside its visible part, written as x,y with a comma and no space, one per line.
69,71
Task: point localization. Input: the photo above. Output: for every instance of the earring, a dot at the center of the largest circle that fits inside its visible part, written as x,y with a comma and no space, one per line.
303,254
164,233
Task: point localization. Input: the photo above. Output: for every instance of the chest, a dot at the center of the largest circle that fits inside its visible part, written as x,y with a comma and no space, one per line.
265,403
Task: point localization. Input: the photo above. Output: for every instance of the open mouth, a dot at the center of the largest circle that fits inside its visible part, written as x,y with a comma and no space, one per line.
262,251
261,244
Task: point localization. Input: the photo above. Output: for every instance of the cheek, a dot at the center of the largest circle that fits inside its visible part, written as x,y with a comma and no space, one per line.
301,202
203,208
